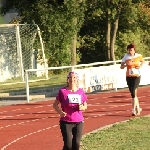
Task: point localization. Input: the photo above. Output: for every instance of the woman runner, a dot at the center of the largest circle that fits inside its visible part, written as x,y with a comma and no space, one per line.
72,102
133,61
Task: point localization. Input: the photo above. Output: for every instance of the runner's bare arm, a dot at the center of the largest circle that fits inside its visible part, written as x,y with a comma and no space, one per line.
123,65
57,109
83,106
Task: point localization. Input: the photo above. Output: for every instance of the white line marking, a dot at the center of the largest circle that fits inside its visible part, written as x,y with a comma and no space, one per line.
3,148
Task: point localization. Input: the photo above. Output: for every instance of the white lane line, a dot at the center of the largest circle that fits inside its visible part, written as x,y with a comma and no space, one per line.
23,108
118,100
39,107
115,96
3,112
15,124
3,117
16,109
14,141
41,112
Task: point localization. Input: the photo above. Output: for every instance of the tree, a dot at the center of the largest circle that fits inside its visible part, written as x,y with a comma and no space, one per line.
77,12
96,30
110,20
59,21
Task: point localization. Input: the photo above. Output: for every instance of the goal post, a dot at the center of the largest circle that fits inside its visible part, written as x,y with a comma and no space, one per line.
19,46
57,79
19,51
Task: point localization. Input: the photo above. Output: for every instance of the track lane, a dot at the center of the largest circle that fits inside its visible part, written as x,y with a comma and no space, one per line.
35,126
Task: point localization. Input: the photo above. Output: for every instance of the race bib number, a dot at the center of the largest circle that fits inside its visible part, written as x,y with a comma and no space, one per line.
134,71
74,98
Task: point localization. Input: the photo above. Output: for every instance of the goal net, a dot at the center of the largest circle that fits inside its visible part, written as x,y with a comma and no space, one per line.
20,47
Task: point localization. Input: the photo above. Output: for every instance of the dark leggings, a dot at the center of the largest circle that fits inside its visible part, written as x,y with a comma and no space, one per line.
72,134
133,84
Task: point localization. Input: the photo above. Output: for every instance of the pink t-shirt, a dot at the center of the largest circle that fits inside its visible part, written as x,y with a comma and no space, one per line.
70,104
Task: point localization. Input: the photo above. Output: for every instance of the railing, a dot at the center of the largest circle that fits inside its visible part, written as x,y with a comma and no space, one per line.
107,75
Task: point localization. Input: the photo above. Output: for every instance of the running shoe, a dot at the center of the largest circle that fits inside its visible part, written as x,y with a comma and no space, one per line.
138,111
134,112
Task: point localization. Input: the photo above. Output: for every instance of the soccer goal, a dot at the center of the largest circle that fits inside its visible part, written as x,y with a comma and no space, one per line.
21,47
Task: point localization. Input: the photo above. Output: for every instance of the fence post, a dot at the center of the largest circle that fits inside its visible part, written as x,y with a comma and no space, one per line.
72,68
115,75
27,85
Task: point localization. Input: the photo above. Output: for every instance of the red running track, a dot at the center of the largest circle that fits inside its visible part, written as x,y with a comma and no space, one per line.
34,126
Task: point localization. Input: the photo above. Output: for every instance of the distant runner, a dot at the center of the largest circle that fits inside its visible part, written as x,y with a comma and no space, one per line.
133,61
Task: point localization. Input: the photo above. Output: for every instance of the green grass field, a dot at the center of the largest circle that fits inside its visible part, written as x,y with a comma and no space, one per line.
131,135
2,20
14,85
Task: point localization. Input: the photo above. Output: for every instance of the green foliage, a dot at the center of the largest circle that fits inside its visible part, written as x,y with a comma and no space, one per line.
92,33
1,20
59,21
60,31
135,37
133,27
